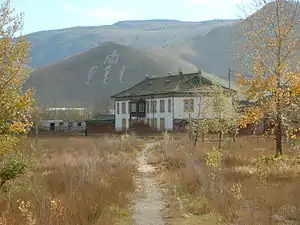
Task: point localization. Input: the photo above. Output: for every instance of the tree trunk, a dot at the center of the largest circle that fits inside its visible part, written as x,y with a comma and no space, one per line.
203,136
195,140
220,139
278,135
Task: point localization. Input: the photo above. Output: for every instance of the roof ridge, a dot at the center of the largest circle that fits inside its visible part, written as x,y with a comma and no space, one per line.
176,75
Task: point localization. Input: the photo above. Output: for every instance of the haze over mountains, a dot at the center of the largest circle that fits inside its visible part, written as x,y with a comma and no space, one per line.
55,45
62,58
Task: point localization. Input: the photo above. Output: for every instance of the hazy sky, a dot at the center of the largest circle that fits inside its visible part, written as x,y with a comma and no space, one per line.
54,14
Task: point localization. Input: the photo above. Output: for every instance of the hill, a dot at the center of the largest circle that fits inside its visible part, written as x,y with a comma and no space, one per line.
65,83
55,45
217,51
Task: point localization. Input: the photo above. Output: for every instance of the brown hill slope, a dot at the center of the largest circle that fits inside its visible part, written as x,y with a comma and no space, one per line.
65,83
217,51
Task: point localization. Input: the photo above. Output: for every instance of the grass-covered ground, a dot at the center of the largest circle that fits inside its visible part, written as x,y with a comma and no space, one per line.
242,183
73,180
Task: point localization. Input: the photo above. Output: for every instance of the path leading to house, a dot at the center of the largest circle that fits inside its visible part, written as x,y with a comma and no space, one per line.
149,204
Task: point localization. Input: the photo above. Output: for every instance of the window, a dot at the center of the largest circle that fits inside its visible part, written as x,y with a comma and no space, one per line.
123,107
148,106
189,105
186,105
133,107
142,107
162,106
79,124
169,105
118,108
151,106
155,106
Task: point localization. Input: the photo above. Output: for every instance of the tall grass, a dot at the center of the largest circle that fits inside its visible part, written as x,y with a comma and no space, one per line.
242,183
74,180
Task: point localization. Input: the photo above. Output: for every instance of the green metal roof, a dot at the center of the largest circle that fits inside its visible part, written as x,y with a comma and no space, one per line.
102,119
167,84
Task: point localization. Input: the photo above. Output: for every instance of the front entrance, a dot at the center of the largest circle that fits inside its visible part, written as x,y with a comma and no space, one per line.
124,124
52,126
162,124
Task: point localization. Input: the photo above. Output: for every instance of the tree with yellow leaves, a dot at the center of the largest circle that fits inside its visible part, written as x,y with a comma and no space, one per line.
270,54
16,105
221,107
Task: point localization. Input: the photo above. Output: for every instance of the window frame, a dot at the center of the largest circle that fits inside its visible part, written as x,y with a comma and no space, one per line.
169,105
142,107
189,105
133,109
162,106
118,107
155,106
123,107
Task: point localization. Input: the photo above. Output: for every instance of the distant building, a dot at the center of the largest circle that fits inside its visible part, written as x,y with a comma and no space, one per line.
63,119
61,126
162,102
66,113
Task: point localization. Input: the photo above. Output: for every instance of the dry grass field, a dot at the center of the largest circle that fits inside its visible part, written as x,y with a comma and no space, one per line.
73,180
240,184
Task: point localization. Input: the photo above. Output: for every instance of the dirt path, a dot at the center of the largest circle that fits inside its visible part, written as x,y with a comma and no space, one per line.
149,204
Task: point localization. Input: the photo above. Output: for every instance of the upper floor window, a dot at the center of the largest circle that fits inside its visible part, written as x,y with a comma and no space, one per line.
142,107
162,106
118,108
169,105
123,107
133,107
155,106
148,106
189,105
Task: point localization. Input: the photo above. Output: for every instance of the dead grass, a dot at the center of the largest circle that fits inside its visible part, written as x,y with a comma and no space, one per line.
242,183
74,180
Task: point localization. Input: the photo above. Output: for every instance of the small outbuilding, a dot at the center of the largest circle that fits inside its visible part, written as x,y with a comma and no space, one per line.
101,124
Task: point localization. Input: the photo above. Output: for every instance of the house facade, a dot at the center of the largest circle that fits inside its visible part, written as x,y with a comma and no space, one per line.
159,102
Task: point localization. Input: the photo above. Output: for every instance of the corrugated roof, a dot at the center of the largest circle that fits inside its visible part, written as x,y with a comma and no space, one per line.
102,118
167,84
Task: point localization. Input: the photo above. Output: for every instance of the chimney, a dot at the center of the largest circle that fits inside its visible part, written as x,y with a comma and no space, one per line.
199,72
180,71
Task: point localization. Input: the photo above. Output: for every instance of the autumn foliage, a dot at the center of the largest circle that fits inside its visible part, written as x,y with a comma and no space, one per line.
16,105
271,59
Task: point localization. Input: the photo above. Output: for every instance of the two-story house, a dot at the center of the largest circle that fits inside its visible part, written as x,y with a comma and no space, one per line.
159,101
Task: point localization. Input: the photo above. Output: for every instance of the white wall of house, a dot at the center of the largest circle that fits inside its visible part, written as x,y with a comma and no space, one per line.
120,116
160,114
180,111
203,107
